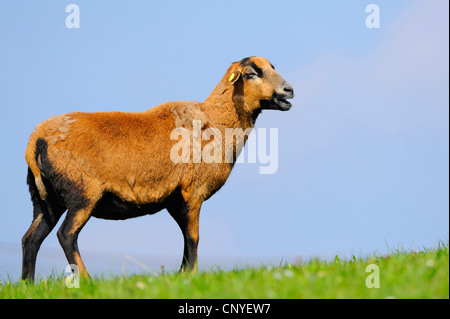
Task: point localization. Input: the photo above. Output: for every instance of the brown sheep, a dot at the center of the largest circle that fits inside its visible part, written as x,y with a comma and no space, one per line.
116,165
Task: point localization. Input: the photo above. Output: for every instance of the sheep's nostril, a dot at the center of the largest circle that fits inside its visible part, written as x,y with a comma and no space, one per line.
288,89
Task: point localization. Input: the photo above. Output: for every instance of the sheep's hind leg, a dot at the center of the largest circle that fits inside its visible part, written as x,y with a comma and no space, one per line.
68,236
45,216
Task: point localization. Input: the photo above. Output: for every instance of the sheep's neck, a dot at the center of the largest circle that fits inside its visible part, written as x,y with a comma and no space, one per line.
225,109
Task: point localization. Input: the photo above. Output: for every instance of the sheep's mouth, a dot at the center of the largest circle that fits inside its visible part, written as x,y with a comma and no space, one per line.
277,102
283,104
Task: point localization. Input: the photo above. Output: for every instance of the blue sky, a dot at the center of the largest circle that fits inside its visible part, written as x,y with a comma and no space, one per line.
363,154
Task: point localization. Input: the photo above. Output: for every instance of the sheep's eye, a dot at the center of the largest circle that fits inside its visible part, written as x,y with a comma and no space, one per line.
250,75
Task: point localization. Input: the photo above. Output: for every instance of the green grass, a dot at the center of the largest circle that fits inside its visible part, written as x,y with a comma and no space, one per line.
423,274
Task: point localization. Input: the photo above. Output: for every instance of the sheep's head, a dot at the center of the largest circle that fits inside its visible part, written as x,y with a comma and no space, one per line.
258,86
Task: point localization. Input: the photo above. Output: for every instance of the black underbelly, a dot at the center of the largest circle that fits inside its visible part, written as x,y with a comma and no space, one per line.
110,206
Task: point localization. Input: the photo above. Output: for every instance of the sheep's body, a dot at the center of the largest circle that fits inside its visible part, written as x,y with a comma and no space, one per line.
117,165
126,154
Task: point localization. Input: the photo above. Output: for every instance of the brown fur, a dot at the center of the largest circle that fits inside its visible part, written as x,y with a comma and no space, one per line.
128,154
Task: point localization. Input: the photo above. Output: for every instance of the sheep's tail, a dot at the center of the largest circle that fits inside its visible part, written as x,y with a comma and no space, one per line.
33,158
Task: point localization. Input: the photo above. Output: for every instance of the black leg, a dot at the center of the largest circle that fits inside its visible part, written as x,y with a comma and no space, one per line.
46,215
68,236
187,218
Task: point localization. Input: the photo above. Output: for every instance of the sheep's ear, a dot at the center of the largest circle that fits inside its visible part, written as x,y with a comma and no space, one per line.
234,76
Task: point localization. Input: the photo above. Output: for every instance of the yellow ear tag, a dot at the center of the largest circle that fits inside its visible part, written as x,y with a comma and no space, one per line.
231,77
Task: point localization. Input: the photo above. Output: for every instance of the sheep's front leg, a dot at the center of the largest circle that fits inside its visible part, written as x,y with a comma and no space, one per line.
187,217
